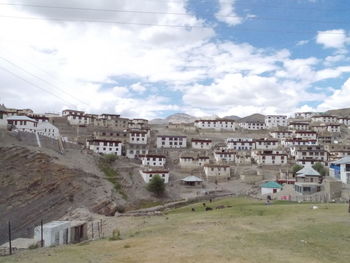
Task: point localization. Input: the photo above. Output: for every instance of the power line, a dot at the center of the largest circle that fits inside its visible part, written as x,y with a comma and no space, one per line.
172,13
34,85
43,80
162,25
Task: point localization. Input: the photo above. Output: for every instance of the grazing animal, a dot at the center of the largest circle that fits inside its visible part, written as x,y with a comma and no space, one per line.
229,206
204,204
210,200
193,210
220,207
208,208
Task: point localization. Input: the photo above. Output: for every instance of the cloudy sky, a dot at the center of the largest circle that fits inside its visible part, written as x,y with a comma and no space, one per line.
152,58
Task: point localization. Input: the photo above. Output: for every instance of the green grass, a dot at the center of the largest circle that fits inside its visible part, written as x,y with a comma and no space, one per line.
248,231
111,174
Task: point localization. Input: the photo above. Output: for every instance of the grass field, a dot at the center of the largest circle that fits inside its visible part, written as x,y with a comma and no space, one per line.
248,231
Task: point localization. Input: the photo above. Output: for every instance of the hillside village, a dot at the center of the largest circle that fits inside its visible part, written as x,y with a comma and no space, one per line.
272,157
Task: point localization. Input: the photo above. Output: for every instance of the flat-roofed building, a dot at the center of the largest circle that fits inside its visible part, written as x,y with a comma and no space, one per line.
171,141
201,144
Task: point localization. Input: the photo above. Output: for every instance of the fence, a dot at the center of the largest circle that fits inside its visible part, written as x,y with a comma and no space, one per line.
94,230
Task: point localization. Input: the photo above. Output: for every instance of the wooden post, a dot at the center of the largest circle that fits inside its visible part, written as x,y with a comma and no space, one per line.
98,230
92,230
101,229
41,233
349,207
10,244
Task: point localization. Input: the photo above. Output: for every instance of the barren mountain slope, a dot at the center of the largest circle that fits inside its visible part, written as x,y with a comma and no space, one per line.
34,187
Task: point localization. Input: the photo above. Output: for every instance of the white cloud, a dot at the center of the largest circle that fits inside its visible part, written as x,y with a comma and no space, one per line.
302,42
336,38
339,98
138,87
227,13
86,60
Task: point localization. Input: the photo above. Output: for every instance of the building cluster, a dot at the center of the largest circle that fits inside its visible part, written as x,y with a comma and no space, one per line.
27,121
306,139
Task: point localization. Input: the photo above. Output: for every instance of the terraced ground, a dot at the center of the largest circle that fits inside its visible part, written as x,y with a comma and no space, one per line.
244,231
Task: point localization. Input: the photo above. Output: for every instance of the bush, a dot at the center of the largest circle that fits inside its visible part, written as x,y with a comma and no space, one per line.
115,235
120,209
110,158
33,246
320,168
156,185
296,168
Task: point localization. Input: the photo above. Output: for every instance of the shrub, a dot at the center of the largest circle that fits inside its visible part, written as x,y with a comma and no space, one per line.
296,168
115,235
156,185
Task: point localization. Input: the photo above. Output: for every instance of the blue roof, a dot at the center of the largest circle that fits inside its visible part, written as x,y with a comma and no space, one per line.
271,185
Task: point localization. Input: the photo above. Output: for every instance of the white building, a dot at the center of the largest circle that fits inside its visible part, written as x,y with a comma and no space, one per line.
319,128
270,188
203,160
48,129
311,135
4,115
281,134
201,144
273,121
217,172
253,125
138,123
187,162
310,154
152,160
269,157
266,144
23,123
78,119
304,115
298,126
138,137
333,127
216,124
147,175
344,120
134,150
224,156
61,232
75,117
171,141
240,144
105,146
324,118
54,233
297,142
340,170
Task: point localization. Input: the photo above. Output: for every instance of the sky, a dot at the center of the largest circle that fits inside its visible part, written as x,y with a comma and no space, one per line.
152,58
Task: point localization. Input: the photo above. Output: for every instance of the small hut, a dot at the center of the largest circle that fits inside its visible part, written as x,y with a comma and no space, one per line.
192,180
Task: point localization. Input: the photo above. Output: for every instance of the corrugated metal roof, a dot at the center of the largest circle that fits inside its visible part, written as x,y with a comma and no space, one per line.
20,118
307,171
192,179
343,160
271,185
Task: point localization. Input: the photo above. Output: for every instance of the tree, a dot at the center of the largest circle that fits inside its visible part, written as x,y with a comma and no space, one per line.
296,168
321,169
156,185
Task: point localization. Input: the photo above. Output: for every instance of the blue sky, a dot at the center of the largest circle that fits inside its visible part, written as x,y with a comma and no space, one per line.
152,58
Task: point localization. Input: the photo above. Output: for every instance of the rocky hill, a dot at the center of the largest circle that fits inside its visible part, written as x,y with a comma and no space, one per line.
253,117
175,118
340,112
34,187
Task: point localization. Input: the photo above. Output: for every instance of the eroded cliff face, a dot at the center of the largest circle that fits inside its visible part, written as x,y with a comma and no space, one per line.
33,187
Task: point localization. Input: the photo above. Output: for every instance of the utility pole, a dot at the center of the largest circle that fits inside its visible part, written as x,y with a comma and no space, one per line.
41,233
10,244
